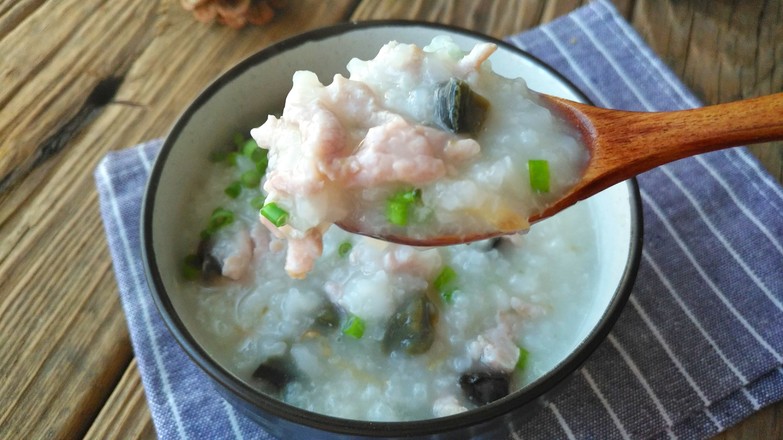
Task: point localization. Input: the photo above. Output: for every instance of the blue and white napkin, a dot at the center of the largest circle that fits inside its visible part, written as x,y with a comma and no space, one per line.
699,345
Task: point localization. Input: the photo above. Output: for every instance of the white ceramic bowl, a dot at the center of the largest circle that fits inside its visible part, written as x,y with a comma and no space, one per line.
240,99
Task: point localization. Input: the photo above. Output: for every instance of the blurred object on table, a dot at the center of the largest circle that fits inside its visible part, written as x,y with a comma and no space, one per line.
234,13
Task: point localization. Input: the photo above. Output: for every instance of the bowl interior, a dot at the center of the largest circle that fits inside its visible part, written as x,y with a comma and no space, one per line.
241,99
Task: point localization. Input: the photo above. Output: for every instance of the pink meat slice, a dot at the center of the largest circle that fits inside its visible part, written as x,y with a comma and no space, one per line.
334,138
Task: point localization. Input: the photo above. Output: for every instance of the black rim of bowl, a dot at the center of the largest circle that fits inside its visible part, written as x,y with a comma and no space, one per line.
300,416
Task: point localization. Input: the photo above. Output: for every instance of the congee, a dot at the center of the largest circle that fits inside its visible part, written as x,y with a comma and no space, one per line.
364,329
417,143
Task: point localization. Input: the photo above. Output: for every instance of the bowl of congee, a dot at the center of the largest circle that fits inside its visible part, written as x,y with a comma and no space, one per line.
401,129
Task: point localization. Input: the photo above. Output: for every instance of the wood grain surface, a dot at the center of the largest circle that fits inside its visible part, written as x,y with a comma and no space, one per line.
79,78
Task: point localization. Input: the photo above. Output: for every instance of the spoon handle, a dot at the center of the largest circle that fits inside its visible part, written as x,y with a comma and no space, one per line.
629,143
624,144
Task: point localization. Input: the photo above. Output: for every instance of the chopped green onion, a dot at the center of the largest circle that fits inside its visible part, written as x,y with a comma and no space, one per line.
257,202
258,156
249,147
344,248
522,359
218,156
539,175
397,212
220,217
231,158
446,276
191,267
275,214
261,165
444,282
353,327
398,206
250,179
408,196
233,190
238,139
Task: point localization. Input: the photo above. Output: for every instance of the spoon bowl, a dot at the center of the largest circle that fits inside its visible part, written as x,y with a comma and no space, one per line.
623,144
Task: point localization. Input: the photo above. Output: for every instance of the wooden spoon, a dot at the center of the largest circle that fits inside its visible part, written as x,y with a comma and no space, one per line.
623,144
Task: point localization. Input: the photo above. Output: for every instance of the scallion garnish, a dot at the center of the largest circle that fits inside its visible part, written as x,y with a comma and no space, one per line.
353,327
257,202
231,158
258,156
522,359
218,156
261,165
250,178
238,139
397,212
539,175
344,248
398,206
220,217
233,190
408,196
445,282
249,147
191,267
275,214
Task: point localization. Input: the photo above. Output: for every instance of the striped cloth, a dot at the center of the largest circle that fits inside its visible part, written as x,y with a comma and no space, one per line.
699,345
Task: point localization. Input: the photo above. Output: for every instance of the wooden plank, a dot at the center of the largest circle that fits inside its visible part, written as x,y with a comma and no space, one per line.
118,73
496,18
126,414
766,424
723,51
490,17
65,343
35,85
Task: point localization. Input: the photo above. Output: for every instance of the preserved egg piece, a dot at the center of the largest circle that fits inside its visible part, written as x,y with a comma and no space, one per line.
482,388
502,244
328,318
275,373
458,108
487,245
211,269
411,328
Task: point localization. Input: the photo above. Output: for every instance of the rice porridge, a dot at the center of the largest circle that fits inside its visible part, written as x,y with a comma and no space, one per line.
416,142
373,330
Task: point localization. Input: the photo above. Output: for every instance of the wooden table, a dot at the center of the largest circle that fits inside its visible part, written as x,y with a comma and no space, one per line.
81,77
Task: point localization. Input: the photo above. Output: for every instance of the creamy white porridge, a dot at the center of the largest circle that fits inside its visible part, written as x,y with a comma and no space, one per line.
381,331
